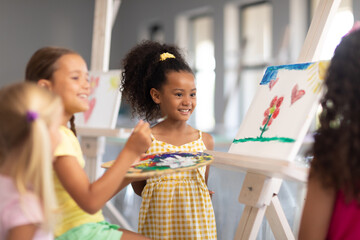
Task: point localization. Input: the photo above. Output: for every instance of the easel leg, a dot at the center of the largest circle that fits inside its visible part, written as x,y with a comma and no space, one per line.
250,223
93,149
277,220
259,194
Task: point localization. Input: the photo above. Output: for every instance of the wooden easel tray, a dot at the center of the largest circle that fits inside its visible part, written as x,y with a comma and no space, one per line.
166,163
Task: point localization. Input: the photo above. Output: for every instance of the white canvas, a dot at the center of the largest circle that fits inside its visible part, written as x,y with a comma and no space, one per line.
295,91
104,101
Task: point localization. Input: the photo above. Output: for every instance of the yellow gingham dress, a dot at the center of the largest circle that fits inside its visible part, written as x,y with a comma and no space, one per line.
177,206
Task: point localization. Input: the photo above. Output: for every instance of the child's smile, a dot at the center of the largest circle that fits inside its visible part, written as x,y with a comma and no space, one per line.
185,111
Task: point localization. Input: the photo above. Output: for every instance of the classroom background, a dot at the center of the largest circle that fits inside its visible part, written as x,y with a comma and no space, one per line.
228,43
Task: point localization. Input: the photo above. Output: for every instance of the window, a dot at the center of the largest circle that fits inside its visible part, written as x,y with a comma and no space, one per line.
203,63
340,25
255,48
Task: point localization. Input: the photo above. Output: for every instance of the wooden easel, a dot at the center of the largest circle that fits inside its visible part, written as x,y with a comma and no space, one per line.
264,176
93,140
259,191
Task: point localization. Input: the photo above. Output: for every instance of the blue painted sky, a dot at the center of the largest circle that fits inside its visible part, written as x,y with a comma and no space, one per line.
272,72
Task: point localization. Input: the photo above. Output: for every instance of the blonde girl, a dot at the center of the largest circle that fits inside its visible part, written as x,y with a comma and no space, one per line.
65,72
158,82
29,131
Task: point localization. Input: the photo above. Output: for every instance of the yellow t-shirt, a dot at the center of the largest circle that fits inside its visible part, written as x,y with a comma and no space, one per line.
71,214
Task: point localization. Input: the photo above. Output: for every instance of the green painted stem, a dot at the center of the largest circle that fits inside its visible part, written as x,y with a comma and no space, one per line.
264,129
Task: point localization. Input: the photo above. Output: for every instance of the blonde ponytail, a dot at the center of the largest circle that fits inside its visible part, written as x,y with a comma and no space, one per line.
26,113
40,170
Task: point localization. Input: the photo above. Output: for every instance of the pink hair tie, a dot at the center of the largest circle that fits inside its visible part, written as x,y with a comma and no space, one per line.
31,116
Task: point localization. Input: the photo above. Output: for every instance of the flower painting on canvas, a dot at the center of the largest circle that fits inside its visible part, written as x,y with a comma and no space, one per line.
281,112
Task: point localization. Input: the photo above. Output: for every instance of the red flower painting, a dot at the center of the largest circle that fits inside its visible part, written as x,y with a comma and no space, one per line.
271,113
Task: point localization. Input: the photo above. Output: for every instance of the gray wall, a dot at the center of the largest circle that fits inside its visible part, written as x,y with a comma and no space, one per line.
27,25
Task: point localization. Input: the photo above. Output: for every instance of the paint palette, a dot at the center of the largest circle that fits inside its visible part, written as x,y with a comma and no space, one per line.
166,163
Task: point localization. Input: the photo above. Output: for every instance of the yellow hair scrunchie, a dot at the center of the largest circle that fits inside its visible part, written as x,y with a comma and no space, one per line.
165,56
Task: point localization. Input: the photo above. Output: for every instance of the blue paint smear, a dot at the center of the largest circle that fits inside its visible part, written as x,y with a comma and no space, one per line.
272,72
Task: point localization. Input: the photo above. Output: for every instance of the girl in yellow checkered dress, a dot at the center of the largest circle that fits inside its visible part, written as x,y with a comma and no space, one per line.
157,82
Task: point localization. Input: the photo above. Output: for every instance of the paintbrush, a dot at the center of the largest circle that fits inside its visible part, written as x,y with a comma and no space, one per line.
159,120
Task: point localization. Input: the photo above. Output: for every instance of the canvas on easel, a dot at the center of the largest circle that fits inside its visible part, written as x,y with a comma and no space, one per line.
270,135
281,111
104,101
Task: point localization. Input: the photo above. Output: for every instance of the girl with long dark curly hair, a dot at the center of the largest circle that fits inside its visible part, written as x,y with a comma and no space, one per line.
332,209
157,82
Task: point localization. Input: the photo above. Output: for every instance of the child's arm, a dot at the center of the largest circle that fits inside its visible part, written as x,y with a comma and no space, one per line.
317,211
91,197
25,232
209,144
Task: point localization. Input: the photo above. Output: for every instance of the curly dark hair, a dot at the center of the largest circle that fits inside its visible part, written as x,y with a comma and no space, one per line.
336,149
143,70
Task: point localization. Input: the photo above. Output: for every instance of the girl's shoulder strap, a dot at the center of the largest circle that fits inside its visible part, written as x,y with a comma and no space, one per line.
200,134
152,137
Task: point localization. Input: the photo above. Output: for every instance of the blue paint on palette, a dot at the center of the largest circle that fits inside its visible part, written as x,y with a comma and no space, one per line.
272,72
